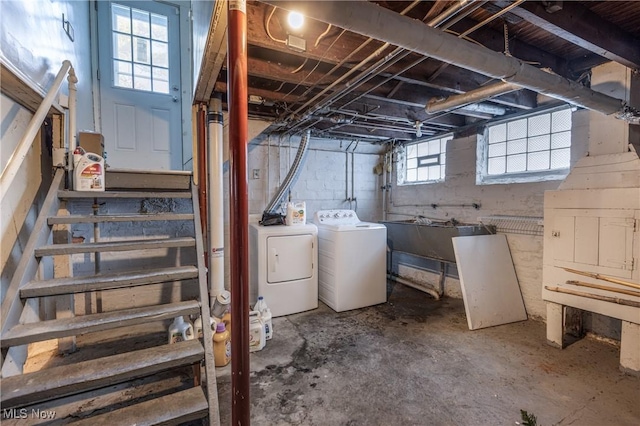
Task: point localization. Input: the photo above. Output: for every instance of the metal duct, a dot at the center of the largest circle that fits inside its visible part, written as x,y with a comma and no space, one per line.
292,176
446,104
375,21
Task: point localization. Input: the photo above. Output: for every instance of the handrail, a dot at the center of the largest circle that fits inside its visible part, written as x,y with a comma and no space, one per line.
21,151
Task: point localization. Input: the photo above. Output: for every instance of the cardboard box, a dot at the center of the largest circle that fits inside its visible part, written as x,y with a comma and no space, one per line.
91,142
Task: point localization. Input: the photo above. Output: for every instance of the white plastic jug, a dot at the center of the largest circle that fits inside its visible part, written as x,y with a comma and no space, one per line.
265,316
257,339
179,330
268,325
197,327
296,213
88,173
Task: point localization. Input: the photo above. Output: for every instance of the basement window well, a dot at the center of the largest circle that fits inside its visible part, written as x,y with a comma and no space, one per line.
529,148
424,161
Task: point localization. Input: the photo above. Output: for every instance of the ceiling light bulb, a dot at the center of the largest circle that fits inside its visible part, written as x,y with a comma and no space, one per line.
295,20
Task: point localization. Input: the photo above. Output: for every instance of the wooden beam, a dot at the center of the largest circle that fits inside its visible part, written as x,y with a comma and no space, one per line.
582,27
15,86
214,54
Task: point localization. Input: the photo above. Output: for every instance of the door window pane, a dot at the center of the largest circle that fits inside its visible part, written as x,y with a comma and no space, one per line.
122,74
159,27
160,54
142,77
140,23
160,80
120,19
122,47
140,49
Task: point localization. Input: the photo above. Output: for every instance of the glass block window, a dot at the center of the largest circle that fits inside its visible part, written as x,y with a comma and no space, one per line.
425,161
140,49
535,143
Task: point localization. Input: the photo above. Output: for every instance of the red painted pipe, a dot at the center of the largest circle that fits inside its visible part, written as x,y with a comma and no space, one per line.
239,211
202,174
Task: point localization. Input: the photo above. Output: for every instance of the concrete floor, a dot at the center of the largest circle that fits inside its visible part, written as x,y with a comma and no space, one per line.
413,361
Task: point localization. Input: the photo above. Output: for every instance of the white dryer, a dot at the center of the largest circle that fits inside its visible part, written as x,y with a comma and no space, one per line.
283,267
352,259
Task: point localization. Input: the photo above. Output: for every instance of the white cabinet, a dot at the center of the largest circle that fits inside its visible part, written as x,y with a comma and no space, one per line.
594,240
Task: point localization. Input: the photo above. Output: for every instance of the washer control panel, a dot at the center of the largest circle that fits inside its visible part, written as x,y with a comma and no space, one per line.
336,217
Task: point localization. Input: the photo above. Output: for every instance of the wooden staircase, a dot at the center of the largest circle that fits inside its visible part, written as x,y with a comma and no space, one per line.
25,319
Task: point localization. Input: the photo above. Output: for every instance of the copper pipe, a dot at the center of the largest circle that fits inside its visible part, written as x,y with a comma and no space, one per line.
202,175
239,211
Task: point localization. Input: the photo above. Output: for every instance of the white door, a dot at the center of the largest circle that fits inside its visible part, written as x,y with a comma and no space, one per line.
139,61
289,258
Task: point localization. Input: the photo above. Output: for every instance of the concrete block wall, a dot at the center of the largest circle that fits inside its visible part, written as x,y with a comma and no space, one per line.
325,181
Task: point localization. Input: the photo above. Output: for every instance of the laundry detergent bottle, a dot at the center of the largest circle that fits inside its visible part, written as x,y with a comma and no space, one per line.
179,331
221,346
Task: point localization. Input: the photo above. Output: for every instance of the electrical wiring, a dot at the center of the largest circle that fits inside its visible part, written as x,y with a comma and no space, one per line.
266,27
300,67
321,36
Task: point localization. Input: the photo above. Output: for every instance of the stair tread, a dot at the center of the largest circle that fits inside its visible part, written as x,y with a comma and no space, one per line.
57,382
65,195
106,281
70,219
44,330
58,249
179,407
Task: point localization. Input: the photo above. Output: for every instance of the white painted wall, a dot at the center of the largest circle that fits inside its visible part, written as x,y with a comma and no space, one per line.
201,12
33,41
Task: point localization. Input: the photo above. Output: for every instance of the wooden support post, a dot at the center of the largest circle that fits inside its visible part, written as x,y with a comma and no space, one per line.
630,348
62,268
555,325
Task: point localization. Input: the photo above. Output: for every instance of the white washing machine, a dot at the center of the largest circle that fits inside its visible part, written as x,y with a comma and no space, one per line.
352,260
283,267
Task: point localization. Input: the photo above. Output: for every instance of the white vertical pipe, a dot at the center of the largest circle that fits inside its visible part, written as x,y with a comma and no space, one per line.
216,197
72,79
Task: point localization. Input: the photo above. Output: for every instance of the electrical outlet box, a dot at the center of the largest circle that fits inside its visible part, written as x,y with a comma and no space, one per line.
255,173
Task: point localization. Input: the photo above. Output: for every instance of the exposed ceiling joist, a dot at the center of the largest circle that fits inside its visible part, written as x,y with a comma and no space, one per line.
580,26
